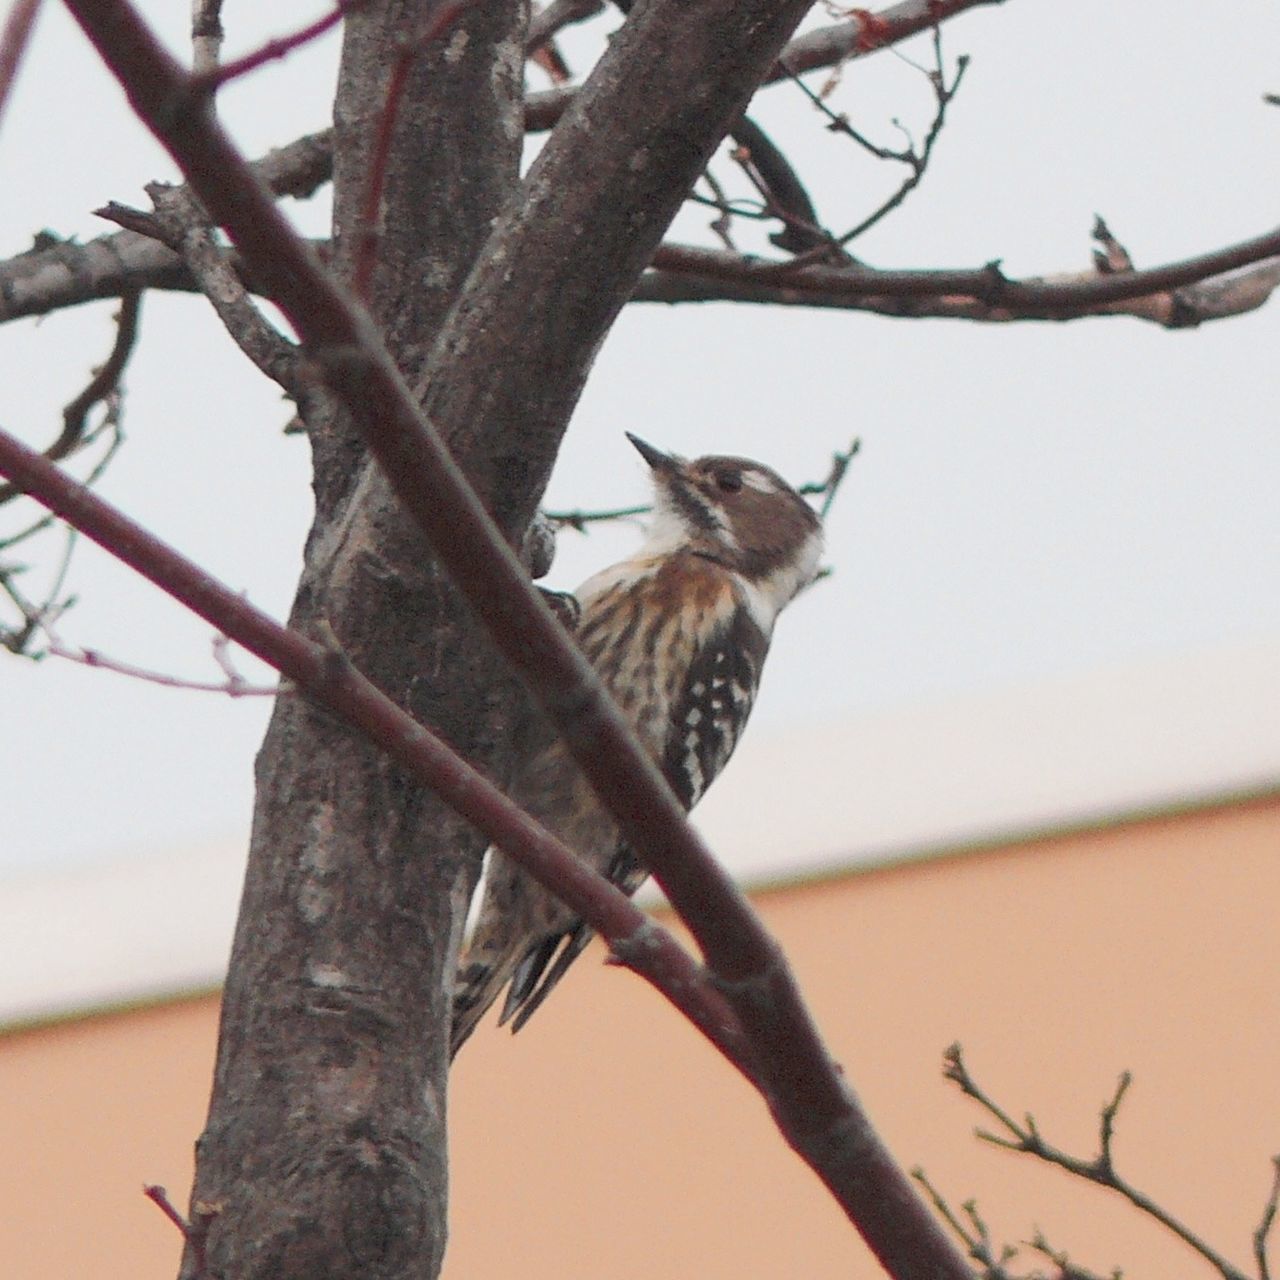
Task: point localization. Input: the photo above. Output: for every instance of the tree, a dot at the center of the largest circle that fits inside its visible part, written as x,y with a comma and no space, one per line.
358,877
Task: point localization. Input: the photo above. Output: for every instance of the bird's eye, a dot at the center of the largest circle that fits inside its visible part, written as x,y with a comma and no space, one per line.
728,481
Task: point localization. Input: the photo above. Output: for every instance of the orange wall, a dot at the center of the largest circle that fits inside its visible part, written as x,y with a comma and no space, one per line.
607,1141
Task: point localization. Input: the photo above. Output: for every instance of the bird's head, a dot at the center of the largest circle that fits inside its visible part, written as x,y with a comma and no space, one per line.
738,513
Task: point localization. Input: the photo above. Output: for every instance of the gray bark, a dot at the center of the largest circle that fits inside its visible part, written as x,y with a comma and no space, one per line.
325,1144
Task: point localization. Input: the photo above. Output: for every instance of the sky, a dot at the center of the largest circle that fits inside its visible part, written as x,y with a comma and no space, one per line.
1031,502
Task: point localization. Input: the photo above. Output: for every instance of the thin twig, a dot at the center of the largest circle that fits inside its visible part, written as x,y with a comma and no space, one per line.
1066,1269
110,424
160,1198
103,384
212,77
1025,1137
1268,1219
829,487
579,520
723,225
194,1232
785,195
916,159
234,686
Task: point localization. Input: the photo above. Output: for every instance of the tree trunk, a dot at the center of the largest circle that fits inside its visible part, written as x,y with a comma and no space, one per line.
324,1152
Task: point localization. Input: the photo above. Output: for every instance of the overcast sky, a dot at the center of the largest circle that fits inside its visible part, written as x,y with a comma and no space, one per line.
1030,501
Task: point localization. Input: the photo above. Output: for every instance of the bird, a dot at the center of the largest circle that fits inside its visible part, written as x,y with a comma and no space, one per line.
678,634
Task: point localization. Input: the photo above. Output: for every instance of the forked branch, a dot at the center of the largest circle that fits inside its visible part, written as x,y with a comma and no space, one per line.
1025,1136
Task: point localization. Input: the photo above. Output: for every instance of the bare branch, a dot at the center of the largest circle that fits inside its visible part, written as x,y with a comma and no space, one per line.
1211,286
917,161
1178,295
193,1232
234,686
784,194
206,36
61,274
1066,1269
181,225
975,1237
829,487
56,273
1025,1137
1266,1222
101,386
187,232
209,76
866,33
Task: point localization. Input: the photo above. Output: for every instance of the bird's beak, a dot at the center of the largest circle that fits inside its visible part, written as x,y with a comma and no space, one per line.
656,459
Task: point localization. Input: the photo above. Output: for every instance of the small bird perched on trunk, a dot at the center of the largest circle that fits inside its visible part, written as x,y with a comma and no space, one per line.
678,635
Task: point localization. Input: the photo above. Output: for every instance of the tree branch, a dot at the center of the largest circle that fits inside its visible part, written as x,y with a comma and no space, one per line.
323,671
1195,290
58,274
101,386
1026,1137
181,225
206,36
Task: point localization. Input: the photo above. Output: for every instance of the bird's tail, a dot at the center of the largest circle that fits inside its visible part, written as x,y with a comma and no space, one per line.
484,971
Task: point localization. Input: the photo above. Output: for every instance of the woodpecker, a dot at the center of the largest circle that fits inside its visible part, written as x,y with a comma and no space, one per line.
678,635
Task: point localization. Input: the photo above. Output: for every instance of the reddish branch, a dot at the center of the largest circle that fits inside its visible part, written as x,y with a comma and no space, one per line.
234,685
193,1232
814,1107
211,76
13,44
323,672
